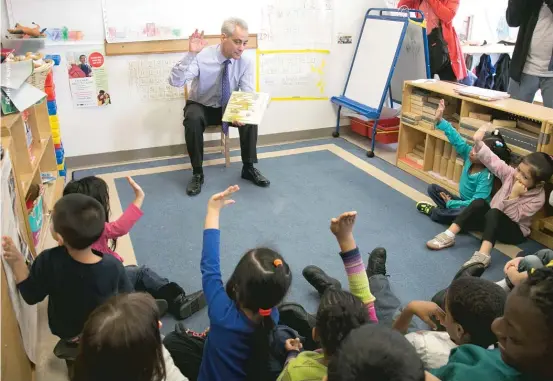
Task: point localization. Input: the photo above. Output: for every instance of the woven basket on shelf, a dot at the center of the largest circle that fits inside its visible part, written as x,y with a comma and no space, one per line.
38,78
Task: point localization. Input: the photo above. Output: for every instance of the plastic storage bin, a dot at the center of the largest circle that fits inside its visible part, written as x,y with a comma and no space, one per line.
387,130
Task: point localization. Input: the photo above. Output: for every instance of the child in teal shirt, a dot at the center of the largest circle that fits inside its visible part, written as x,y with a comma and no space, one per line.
525,337
476,180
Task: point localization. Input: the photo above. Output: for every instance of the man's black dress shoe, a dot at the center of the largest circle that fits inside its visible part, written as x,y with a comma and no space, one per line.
194,186
252,174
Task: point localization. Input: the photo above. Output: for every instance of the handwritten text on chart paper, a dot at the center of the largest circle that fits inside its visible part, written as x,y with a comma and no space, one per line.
293,74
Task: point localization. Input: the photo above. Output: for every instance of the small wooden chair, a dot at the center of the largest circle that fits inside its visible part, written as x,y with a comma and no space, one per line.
224,146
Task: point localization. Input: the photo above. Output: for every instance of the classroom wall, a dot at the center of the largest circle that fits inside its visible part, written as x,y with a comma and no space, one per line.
130,124
3,19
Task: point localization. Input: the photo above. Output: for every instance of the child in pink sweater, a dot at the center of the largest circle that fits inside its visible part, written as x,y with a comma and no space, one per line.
509,215
143,278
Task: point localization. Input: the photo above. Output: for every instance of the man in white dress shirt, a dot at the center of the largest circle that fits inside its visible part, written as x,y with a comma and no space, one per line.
214,72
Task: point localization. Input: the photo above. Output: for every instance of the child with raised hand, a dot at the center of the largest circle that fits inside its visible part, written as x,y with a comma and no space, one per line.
75,277
243,313
476,180
525,336
509,215
120,334
471,305
339,311
143,278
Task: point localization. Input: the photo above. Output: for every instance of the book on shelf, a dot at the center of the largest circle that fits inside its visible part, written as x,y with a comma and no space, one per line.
505,123
247,108
482,94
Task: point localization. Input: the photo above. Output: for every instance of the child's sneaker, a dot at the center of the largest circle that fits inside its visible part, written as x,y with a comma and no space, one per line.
478,257
441,241
425,207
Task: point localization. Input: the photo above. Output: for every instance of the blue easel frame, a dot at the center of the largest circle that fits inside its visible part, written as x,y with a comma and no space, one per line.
426,52
370,112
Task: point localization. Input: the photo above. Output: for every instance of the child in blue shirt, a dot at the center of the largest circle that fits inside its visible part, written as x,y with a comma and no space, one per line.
476,180
243,313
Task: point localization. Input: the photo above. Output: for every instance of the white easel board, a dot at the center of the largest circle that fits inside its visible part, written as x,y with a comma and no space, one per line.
413,61
373,60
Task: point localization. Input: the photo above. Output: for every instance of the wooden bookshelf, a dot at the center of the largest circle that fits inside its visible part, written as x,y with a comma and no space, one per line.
30,160
412,134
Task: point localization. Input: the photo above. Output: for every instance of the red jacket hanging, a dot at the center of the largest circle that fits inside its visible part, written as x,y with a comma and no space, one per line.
445,10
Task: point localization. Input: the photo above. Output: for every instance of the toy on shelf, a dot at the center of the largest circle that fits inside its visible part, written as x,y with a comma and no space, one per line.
28,32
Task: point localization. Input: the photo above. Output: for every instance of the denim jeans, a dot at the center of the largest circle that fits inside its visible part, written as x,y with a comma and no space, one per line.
441,213
145,279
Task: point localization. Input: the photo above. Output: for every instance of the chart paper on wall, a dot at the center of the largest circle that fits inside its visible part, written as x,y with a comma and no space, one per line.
153,20
297,24
292,74
26,315
148,79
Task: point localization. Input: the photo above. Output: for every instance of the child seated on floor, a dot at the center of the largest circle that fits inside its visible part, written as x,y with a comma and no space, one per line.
339,311
471,305
118,335
75,277
516,270
243,314
374,352
476,180
509,215
180,305
525,336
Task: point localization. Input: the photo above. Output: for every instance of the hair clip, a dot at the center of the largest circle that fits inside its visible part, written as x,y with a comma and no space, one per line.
264,313
277,262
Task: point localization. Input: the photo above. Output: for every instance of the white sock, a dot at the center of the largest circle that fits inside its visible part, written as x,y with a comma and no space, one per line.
449,234
503,284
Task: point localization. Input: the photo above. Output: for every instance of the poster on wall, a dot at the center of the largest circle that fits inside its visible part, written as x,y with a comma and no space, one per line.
25,314
88,79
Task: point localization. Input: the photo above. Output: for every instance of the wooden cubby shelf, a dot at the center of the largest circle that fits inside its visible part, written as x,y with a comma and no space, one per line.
27,138
526,128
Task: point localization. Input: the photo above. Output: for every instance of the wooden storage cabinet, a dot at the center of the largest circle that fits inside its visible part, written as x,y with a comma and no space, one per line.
30,160
526,128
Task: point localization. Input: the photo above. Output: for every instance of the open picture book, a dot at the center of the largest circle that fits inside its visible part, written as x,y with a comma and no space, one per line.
247,108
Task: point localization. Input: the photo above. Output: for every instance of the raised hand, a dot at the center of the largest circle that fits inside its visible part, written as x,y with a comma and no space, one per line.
293,345
11,254
479,135
138,192
220,200
196,42
440,111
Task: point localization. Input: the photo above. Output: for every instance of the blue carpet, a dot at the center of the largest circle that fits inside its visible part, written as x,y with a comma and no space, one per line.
292,216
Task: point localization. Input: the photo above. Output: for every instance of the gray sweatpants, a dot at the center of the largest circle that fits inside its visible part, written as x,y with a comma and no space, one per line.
526,89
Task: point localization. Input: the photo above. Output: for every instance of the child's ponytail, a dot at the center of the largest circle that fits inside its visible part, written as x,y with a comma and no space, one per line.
496,143
259,283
